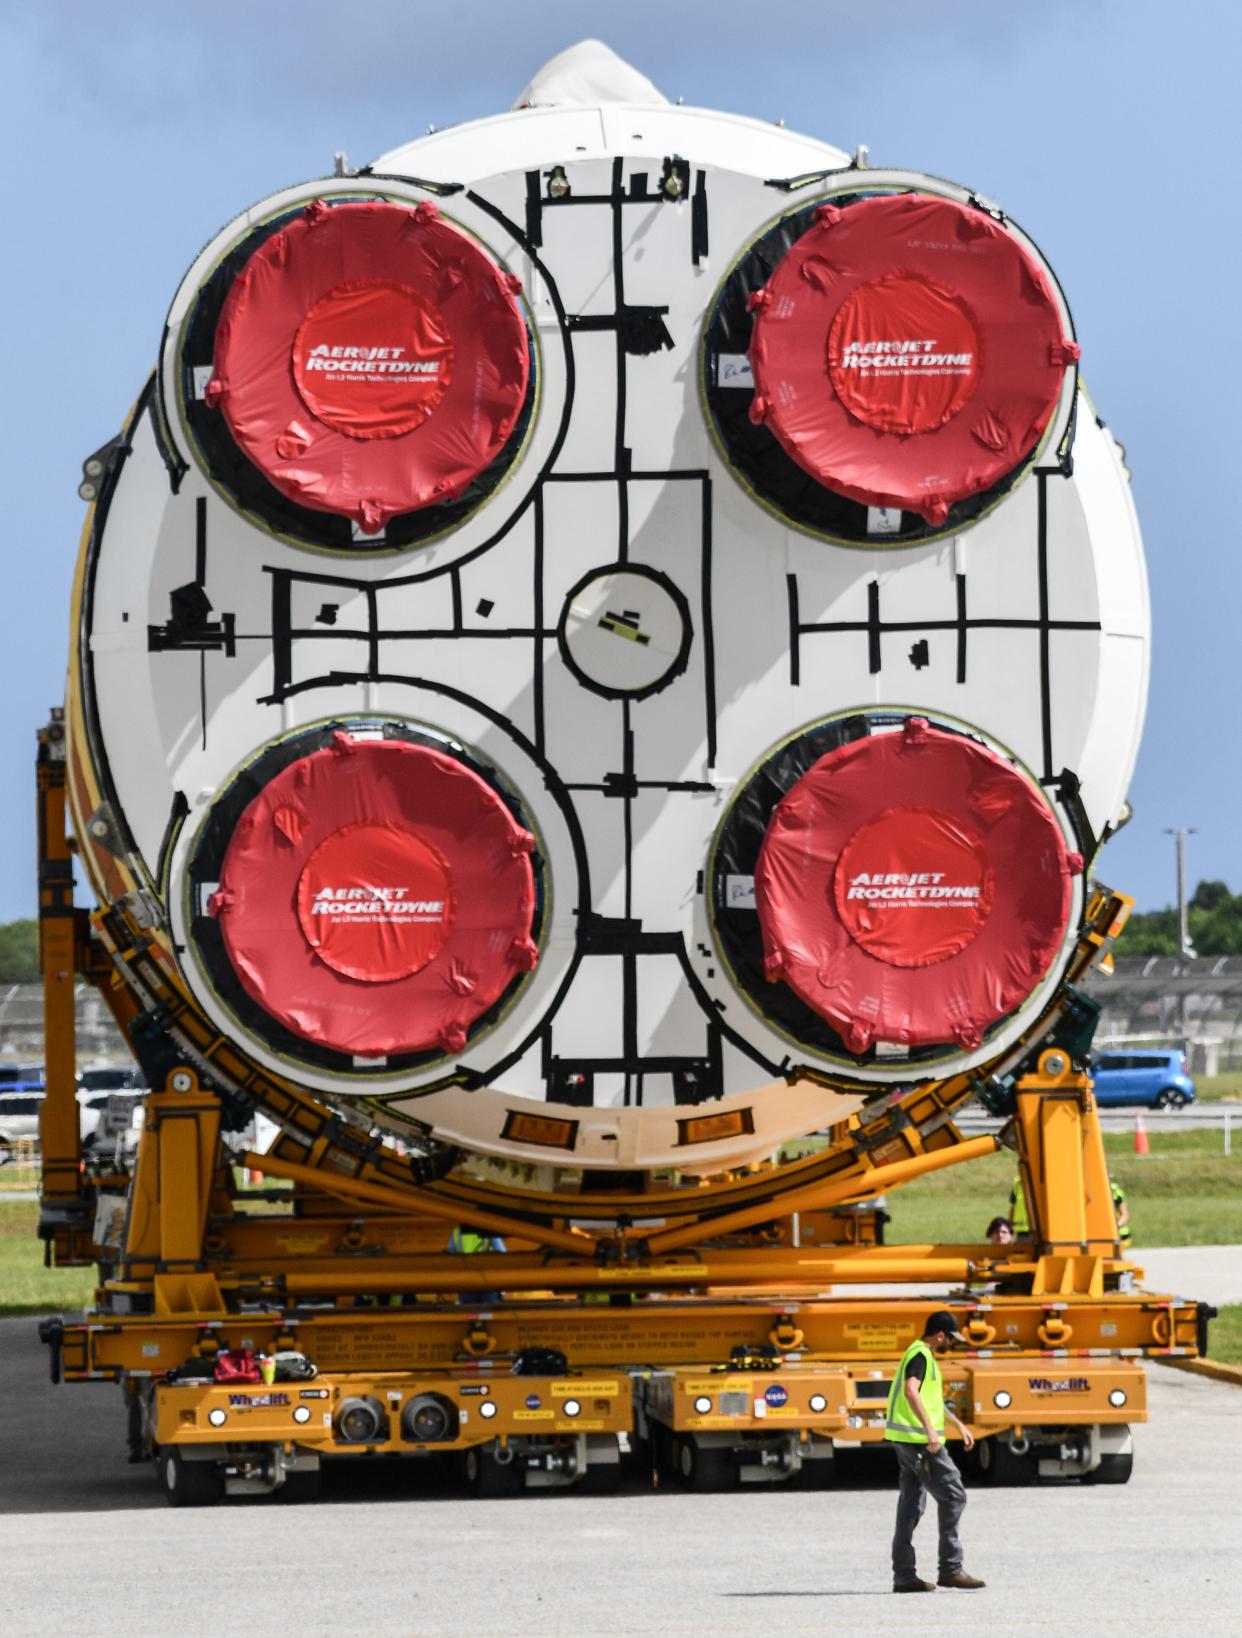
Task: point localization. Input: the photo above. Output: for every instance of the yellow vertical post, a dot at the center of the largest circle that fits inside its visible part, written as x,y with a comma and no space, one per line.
1061,1153
59,1133
172,1179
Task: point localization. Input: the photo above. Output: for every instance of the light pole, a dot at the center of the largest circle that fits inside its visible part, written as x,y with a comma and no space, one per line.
1183,923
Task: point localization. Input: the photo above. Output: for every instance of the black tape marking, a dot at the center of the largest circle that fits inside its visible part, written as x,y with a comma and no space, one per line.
1045,680
709,635
795,632
875,627
534,209
698,220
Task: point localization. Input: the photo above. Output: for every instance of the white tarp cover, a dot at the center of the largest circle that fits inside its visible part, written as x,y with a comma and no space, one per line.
587,73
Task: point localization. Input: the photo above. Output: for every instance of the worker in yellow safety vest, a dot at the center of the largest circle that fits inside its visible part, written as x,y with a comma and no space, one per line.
467,1242
914,1423
1017,1207
1122,1212
470,1243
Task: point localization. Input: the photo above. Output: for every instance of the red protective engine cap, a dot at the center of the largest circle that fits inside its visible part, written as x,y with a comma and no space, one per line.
913,888
376,898
907,352
370,359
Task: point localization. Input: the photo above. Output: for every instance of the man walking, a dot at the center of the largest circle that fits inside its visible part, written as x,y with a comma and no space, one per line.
915,1424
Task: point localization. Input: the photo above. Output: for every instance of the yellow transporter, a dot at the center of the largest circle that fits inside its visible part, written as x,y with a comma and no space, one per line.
678,1327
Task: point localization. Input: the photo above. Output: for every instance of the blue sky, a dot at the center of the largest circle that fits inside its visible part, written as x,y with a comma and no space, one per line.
131,133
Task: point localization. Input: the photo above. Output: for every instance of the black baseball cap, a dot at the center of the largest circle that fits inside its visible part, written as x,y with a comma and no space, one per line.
943,1320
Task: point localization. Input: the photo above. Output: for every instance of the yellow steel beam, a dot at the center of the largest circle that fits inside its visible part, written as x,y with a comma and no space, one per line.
173,1178
1061,1154
59,1122
671,1331
418,1201
481,1272
836,1191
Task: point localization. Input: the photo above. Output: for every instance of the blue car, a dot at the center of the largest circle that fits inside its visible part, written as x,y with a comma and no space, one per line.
1157,1080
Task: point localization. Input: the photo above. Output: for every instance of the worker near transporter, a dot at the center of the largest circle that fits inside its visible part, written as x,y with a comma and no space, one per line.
915,1425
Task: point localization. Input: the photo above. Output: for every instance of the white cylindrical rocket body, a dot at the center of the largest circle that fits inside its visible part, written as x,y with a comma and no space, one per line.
605,615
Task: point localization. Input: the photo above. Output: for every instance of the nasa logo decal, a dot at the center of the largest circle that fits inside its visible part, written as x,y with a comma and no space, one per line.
375,901
533,1401
372,358
776,1396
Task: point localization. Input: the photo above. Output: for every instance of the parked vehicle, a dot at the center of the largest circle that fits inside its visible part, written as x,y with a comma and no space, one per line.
111,1104
1156,1079
111,1080
21,1078
19,1121
110,1101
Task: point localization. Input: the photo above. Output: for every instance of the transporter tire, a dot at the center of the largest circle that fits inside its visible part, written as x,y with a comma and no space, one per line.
600,1479
816,1475
1114,1468
491,1480
639,1461
300,1487
999,1465
662,1453
188,1483
701,1468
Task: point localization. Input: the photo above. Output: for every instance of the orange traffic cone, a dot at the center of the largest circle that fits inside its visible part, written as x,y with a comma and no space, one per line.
1141,1145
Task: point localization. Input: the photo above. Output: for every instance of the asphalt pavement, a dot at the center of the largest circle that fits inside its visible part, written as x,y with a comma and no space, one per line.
391,1552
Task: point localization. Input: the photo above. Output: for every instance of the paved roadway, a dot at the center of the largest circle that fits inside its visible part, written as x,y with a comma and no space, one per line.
89,1546
1210,1274
1199,1116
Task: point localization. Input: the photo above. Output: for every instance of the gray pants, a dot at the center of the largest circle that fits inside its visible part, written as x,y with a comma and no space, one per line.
923,1474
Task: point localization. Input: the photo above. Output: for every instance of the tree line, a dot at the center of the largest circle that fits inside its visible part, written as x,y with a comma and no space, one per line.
1215,918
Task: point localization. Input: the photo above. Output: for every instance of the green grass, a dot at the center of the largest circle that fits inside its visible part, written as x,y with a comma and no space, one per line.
26,1287
1225,1336
1185,1193
1212,1088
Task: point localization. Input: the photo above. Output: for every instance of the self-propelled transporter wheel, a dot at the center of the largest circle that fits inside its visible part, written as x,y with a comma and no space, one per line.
701,1467
1000,1464
491,1480
188,1480
300,1487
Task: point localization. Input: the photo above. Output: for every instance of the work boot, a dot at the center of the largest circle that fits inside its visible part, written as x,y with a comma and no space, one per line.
962,1581
913,1586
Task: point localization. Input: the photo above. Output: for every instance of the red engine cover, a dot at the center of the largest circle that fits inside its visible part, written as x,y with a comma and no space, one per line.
912,888
376,898
907,352
371,359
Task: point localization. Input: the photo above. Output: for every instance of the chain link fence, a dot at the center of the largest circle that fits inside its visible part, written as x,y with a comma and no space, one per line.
100,1044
